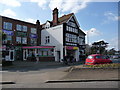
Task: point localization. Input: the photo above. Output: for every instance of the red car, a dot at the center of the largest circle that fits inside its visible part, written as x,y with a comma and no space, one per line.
97,59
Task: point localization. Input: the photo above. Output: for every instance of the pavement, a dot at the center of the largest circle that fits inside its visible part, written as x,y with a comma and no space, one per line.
33,66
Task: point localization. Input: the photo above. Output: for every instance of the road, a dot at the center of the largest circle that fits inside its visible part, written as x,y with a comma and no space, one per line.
37,79
29,77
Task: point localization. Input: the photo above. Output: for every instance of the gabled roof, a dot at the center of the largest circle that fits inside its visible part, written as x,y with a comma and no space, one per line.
64,18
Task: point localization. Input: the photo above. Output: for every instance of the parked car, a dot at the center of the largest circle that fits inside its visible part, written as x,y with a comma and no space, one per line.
115,58
97,59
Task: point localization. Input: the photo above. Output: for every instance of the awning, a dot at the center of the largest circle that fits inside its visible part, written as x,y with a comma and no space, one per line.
37,47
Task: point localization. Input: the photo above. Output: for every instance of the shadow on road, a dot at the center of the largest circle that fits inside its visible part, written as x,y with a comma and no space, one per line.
25,66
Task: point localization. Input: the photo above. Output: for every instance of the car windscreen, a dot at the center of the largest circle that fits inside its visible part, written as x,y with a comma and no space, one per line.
90,57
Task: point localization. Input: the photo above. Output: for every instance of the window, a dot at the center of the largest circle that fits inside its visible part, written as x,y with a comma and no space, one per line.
18,39
67,28
71,38
7,25
47,39
33,30
25,28
98,57
19,27
33,41
9,37
90,57
21,34
103,57
44,53
24,40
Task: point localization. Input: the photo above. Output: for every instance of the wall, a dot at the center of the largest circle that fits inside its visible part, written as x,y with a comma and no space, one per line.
56,39
14,23
0,29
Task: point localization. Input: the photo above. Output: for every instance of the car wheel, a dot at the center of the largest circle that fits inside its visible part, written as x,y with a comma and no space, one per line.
110,62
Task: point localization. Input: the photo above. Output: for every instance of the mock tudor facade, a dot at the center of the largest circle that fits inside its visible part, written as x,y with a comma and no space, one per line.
65,34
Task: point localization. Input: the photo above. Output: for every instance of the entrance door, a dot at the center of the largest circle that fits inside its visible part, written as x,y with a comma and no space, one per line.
11,55
71,52
24,54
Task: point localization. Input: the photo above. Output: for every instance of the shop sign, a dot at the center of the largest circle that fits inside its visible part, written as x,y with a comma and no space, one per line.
33,36
39,47
71,48
10,33
44,49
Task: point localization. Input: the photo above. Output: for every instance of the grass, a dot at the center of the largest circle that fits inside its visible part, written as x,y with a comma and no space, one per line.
114,65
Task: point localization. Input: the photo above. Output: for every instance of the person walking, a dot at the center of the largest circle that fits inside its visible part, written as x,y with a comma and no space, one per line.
37,58
66,60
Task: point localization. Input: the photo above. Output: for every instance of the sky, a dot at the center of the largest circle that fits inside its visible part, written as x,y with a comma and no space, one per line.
97,18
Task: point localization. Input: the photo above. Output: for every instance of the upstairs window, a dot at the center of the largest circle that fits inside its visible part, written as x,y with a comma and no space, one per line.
18,40
25,28
47,39
24,40
33,30
33,41
7,25
19,27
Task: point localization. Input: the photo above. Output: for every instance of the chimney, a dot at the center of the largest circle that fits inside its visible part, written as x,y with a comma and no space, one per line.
38,27
55,17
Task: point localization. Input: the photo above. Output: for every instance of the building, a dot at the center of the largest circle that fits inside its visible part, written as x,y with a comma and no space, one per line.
50,41
18,34
23,40
65,34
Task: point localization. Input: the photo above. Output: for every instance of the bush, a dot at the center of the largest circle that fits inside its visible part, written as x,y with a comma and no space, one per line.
114,65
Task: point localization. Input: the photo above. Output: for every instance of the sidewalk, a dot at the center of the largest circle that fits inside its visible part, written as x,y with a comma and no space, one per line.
28,66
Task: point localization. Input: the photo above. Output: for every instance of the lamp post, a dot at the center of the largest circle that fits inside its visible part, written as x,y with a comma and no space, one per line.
88,40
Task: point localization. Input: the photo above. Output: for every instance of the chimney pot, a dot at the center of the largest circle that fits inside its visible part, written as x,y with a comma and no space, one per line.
55,17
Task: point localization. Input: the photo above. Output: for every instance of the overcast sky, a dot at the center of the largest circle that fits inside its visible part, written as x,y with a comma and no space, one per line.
97,18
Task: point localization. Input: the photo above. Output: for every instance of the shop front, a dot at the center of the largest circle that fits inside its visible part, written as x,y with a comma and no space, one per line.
43,53
72,51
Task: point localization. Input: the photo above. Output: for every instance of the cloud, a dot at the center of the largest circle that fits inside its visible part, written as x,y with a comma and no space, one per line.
31,20
93,32
113,43
56,3
80,6
68,5
110,17
41,3
12,3
8,12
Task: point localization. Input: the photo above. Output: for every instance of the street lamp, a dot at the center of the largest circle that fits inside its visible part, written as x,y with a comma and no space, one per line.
88,39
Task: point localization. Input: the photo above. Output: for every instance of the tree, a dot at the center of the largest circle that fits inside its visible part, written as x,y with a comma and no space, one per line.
99,47
2,35
112,51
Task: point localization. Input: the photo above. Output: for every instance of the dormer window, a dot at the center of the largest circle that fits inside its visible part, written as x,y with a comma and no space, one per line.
47,25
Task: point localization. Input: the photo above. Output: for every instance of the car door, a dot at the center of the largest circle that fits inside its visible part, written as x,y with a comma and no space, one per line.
98,59
103,59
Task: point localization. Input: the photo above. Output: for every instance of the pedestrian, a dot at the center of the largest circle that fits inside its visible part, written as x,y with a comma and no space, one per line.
71,59
66,60
37,58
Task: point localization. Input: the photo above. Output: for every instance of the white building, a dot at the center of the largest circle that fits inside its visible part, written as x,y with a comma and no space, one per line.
65,34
